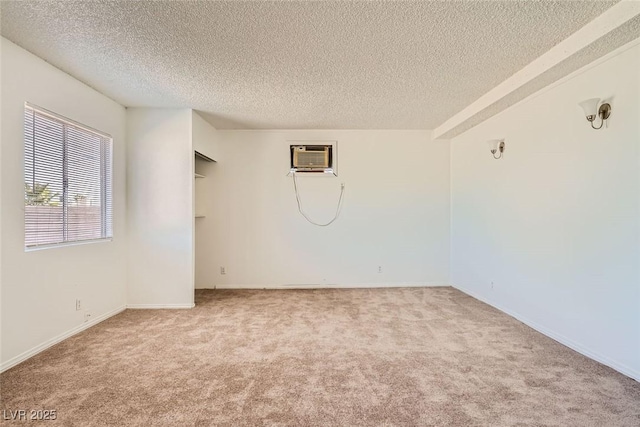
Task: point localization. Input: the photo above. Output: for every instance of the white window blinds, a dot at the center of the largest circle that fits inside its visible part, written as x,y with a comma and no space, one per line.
67,180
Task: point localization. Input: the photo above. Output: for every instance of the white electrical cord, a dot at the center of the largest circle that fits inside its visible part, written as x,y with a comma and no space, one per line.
338,209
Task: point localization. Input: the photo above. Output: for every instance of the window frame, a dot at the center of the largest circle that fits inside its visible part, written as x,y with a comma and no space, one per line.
106,180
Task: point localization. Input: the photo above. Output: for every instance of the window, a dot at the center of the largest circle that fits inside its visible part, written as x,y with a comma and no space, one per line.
67,180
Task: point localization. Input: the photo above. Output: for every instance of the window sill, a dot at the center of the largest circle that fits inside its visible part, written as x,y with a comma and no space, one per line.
65,244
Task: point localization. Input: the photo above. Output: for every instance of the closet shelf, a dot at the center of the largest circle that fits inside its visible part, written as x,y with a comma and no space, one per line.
199,176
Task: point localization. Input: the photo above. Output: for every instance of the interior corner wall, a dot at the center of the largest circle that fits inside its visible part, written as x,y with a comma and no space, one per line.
204,137
395,213
1,206
551,232
160,174
40,287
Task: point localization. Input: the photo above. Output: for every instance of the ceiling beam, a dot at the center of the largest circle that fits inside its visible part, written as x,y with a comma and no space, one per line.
502,96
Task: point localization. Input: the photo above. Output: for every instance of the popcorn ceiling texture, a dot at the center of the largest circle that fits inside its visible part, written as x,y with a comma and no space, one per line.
361,65
616,38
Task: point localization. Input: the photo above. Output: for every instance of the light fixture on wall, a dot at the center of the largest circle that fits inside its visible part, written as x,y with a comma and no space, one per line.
496,146
591,110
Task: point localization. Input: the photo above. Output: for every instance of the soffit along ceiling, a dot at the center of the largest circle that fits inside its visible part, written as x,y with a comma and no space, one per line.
296,65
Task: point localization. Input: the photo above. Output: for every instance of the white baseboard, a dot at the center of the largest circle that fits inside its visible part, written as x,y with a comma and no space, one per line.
160,306
623,369
332,286
49,343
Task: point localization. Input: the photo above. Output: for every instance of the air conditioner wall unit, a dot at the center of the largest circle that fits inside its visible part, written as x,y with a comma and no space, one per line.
312,158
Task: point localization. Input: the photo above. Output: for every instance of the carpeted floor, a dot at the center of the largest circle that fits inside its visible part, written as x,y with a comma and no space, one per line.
374,357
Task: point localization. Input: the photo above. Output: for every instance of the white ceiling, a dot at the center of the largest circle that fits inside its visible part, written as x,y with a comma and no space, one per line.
296,65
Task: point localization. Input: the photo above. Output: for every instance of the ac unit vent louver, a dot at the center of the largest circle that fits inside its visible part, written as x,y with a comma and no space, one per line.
311,158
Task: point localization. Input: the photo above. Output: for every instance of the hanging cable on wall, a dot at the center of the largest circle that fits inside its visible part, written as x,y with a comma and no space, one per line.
338,208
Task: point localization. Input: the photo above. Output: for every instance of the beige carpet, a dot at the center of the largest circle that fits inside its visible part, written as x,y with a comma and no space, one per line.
379,357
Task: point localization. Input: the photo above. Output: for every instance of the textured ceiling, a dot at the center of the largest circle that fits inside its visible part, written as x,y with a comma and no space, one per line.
617,38
296,65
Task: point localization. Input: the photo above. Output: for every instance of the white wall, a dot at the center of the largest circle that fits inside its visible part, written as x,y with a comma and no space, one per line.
204,137
1,206
39,288
395,214
160,207
555,225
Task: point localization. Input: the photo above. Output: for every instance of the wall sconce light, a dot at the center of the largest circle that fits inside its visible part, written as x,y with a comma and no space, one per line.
496,146
590,107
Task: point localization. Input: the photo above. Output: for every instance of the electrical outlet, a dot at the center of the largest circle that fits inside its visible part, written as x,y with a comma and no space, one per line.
379,269
223,270
78,305
87,316
491,285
